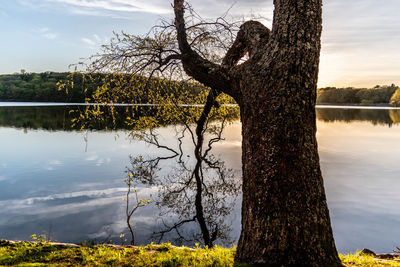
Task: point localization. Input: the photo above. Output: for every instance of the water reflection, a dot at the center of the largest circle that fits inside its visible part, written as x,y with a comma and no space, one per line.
196,194
59,117
49,184
374,116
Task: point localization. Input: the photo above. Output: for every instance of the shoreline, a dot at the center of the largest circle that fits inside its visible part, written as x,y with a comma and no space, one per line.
64,104
61,254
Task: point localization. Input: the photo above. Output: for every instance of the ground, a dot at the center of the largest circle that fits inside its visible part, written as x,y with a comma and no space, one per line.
55,254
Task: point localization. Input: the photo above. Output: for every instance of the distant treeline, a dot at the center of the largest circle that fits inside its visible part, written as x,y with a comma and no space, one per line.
44,87
39,87
78,87
360,96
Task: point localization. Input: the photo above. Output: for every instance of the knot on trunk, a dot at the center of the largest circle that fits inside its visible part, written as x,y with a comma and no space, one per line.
252,38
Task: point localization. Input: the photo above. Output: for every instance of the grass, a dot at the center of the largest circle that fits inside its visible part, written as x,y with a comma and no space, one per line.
360,259
44,253
39,254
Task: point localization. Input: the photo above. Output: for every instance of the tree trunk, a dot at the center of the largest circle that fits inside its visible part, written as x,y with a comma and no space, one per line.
285,218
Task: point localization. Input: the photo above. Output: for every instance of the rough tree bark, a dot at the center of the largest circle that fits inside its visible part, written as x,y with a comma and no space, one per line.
285,218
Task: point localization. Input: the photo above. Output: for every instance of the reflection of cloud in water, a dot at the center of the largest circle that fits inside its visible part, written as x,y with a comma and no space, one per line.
51,164
91,185
55,162
88,211
92,157
68,203
96,213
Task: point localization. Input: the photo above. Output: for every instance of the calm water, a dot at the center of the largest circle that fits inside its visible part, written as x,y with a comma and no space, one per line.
69,184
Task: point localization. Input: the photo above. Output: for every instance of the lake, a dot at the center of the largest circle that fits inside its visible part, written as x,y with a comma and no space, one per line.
69,184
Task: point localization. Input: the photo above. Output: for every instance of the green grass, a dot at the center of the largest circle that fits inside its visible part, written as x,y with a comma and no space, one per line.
39,254
360,259
42,253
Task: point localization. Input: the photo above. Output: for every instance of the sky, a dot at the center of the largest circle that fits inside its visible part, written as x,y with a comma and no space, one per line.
360,41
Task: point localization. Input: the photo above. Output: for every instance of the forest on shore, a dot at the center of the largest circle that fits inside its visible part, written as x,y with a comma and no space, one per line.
378,95
44,87
78,87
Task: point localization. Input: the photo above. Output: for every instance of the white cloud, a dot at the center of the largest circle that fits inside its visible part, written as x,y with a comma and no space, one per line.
55,162
96,198
116,5
93,41
100,162
51,164
50,35
46,33
97,37
92,157
43,30
88,41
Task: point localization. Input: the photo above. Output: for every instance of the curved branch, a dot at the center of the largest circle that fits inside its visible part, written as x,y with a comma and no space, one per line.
204,71
252,38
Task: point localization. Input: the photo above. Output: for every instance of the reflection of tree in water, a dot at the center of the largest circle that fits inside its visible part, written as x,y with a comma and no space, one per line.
375,116
197,190
58,118
46,118
395,115
200,207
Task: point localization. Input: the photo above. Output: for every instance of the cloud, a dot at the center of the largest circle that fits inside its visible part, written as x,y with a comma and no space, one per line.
97,37
360,50
46,33
93,41
238,8
89,42
122,9
92,157
114,6
50,35
2,178
55,162
57,205
51,164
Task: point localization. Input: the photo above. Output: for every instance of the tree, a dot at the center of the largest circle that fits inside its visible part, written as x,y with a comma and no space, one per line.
395,100
285,218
